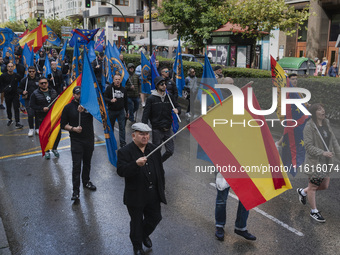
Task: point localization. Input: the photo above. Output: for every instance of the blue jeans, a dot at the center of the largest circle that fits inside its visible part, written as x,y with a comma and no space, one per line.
66,78
133,107
120,117
220,211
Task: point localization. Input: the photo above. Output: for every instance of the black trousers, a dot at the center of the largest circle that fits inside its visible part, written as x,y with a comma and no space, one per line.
81,152
144,219
13,100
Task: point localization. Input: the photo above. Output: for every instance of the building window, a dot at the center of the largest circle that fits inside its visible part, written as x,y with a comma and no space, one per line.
302,33
122,2
335,28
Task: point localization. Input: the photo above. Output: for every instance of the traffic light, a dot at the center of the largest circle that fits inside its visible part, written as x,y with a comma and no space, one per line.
129,40
88,3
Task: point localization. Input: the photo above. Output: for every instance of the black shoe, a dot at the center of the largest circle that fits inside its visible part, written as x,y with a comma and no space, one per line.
18,125
75,195
90,186
245,234
2,107
318,217
302,198
9,122
138,251
147,242
219,233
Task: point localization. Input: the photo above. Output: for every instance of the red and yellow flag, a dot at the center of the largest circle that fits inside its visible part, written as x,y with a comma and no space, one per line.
36,38
50,126
279,79
245,151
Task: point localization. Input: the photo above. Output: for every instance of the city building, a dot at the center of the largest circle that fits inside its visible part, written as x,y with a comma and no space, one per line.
3,13
122,20
26,9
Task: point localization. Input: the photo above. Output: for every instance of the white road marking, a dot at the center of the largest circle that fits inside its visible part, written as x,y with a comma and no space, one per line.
277,221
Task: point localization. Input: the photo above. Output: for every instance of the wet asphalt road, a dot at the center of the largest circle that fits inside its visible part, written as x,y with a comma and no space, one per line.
40,218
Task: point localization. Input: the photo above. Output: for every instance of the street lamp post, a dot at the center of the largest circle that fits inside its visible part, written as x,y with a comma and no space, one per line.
26,24
150,27
38,21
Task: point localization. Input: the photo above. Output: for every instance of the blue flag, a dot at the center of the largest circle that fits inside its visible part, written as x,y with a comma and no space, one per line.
116,65
208,85
6,37
146,84
293,150
27,58
107,71
61,56
174,124
154,72
92,99
82,36
47,68
52,37
178,69
15,40
10,50
91,53
99,46
75,63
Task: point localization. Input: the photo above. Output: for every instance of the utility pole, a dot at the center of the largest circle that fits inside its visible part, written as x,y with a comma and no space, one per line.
150,27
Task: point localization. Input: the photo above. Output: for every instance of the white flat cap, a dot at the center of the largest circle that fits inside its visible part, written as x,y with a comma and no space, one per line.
141,127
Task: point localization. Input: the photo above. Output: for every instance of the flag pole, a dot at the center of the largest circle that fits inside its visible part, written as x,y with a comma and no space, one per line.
167,140
173,107
79,119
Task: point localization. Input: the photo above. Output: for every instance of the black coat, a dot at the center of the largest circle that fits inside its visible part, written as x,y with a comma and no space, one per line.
38,101
32,84
136,179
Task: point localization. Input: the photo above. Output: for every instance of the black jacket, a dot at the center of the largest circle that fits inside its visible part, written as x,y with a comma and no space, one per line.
137,180
98,70
58,83
171,88
70,115
120,95
158,110
38,100
11,82
32,84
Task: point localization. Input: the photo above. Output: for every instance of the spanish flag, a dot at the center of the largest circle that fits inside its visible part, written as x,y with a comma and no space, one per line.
50,126
36,38
243,149
279,79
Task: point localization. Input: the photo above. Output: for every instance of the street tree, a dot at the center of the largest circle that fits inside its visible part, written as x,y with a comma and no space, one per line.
193,20
196,20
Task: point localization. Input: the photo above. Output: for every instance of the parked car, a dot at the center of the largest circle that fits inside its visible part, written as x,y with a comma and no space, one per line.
193,58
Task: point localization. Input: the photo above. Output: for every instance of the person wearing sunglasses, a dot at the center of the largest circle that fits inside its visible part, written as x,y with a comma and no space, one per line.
26,88
170,84
41,101
158,110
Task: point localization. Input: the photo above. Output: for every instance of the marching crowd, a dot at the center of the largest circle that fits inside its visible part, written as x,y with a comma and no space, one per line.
138,162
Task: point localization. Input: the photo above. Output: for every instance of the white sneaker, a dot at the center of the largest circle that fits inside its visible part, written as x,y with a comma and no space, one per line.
37,131
188,114
30,132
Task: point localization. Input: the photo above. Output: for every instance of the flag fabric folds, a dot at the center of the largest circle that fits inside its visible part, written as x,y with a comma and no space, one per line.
99,45
27,58
117,65
107,73
154,72
47,67
178,69
52,37
91,53
6,37
241,148
293,149
61,56
207,84
92,99
75,63
279,79
146,68
49,128
82,36
35,38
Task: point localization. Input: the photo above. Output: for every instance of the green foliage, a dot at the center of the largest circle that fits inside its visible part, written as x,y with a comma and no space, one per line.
54,24
263,15
193,20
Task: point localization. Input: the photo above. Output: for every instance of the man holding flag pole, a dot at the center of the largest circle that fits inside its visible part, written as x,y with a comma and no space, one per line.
158,109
